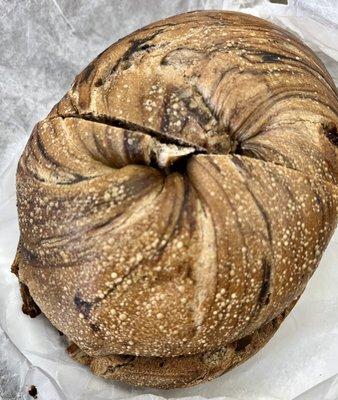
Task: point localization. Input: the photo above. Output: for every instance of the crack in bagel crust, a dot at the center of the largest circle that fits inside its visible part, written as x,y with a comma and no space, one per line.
179,196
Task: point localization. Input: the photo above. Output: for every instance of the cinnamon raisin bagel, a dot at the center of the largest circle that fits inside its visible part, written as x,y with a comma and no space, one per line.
175,202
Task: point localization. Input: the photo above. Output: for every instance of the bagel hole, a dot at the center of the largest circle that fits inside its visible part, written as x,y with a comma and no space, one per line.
176,165
179,166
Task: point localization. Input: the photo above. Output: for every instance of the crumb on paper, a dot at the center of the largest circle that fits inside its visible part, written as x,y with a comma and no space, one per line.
33,391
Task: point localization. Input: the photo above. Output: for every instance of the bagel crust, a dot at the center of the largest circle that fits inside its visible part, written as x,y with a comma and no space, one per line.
174,204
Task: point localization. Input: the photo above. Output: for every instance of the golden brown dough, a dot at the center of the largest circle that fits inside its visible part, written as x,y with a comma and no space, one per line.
174,204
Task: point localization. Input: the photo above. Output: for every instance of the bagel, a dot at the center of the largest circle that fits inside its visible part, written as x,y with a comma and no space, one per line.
174,204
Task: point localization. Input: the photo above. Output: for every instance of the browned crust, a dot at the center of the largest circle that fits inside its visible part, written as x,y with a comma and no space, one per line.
182,371
182,192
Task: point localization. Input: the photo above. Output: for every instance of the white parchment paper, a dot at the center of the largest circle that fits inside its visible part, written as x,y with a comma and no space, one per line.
43,44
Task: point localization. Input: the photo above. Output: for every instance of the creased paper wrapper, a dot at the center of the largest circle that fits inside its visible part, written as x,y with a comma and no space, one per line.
43,45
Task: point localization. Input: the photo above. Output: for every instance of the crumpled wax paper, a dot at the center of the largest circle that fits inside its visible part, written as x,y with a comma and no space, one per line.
43,44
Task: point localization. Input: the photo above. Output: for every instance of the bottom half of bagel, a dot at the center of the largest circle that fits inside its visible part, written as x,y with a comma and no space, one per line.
170,372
